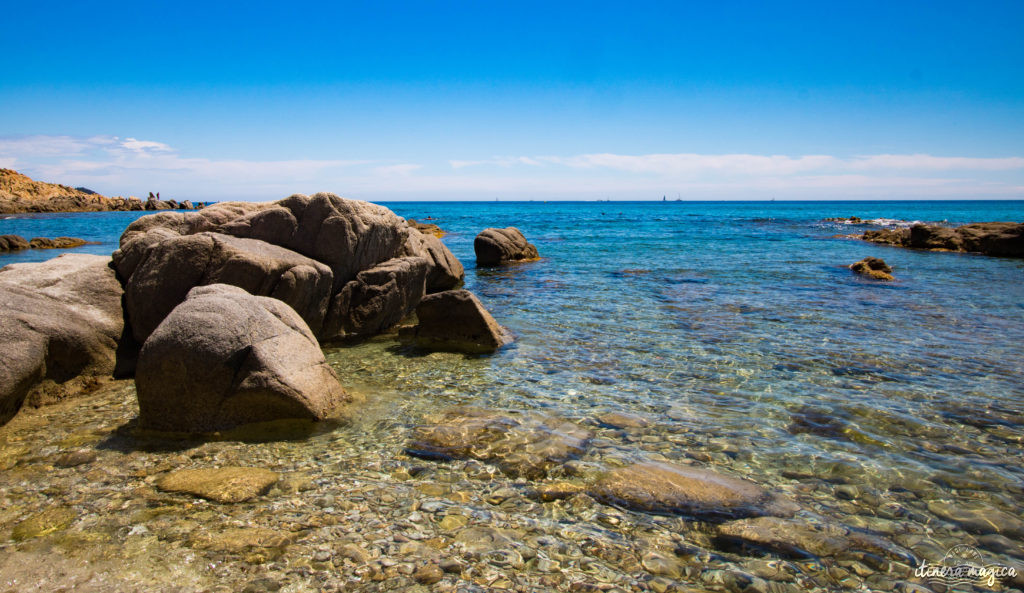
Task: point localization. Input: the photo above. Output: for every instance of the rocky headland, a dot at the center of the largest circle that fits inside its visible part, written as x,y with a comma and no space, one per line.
20,194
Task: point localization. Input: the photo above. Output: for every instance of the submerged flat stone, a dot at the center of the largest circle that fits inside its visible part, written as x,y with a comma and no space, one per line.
222,484
526,445
43,523
670,488
802,539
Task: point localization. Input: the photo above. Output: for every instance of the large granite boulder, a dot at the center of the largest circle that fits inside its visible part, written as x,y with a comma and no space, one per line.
498,246
173,266
336,237
990,238
456,321
60,322
378,298
225,358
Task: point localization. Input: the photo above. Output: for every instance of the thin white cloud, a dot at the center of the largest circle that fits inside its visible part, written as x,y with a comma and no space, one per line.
920,162
496,161
145,145
402,170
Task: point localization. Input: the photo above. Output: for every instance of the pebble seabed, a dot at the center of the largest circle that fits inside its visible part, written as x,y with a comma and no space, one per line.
80,510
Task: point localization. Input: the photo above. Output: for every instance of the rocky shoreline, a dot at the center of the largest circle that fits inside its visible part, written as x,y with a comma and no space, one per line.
21,195
1001,239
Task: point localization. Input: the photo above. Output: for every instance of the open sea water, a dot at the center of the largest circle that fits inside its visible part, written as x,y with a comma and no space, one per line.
736,330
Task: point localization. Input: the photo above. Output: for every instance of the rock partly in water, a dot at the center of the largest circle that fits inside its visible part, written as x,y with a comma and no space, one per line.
525,445
60,323
56,243
498,246
378,298
426,228
456,321
670,488
347,237
225,358
221,484
13,243
873,267
990,238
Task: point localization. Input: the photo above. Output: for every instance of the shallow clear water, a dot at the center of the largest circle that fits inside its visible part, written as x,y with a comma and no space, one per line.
737,331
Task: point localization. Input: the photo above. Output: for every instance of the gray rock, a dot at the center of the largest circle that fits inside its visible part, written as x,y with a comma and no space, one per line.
667,487
456,321
377,299
60,322
225,358
497,246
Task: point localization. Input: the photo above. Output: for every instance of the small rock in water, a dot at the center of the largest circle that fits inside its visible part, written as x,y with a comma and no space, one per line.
521,445
873,267
666,487
223,484
428,574
43,523
74,458
622,420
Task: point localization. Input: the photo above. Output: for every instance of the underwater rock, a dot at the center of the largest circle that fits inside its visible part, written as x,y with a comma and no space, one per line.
43,523
873,267
498,246
221,484
456,321
524,445
794,538
224,358
666,487
980,519
60,322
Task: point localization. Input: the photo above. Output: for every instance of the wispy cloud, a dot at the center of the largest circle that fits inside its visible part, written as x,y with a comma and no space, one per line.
119,166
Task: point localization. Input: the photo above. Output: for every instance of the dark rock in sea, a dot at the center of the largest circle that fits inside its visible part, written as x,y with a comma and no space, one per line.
498,246
57,243
990,238
873,267
347,237
527,445
60,322
378,298
173,266
850,220
13,243
220,484
224,358
456,321
670,488
426,228
155,204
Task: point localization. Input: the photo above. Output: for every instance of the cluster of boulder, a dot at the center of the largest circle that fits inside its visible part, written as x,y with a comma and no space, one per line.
220,313
1004,239
18,243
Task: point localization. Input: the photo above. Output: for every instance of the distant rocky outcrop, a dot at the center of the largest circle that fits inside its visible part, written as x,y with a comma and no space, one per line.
990,238
19,194
16,243
224,358
351,269
426,228
873,267
60,323
498,246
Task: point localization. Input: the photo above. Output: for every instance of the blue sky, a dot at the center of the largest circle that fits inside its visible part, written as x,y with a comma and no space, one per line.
477,100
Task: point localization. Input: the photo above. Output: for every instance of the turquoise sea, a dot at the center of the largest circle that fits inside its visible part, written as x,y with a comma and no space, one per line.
737,330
